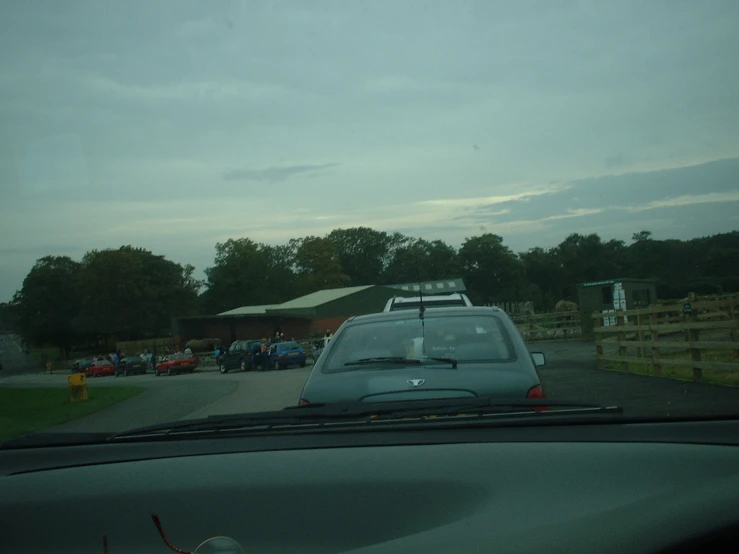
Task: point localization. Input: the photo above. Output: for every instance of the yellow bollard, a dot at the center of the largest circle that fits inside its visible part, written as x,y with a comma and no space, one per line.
77,383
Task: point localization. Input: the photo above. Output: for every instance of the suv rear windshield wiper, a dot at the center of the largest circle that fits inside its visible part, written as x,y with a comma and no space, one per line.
400,360
363,414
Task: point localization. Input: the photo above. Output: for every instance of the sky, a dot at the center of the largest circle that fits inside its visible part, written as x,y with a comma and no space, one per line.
175,125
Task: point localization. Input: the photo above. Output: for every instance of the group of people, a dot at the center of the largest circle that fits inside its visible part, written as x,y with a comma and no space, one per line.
261,354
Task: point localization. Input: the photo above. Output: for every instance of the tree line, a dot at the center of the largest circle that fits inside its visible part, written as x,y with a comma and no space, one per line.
130,293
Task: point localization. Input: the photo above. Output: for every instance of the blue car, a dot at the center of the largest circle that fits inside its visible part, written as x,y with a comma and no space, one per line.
285,354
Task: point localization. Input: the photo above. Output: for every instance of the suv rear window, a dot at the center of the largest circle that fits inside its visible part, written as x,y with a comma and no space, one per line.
466,338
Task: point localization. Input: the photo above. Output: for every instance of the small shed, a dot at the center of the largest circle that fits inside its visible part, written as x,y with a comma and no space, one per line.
610,295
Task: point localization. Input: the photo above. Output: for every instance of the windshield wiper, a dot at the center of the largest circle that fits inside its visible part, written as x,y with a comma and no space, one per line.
385,360
400,360
344,414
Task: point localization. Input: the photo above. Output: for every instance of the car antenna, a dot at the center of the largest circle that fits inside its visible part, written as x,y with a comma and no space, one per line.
421,307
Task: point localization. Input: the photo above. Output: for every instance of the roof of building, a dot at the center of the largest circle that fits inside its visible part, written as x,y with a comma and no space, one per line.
250,310
317,298
613,281
440,286
314,305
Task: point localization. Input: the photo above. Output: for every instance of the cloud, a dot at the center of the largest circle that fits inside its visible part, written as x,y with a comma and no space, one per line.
526,119
276,174
488,201
688,200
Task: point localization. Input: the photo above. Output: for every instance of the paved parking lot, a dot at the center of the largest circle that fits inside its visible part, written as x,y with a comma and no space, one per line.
570,374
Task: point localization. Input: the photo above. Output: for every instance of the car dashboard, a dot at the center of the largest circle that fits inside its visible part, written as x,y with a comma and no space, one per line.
630,487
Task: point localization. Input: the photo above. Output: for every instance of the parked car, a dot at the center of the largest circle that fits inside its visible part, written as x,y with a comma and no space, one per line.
100,368
285,354
240,355
319,347
81,365
436,301
447,353
131,365
176,363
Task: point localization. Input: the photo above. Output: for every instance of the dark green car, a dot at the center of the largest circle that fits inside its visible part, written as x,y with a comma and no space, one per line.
417,355
240,355
131,365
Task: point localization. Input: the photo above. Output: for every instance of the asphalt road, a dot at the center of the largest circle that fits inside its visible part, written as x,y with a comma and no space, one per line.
570,374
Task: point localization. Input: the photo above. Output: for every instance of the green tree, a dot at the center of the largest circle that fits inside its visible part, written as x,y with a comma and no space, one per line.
48,302
364,253
317,265
248,273
7,319
492,272
422,260
545,277
588,258
129,293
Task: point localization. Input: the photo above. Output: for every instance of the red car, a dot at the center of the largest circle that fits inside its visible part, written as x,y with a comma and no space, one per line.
176,363
100,368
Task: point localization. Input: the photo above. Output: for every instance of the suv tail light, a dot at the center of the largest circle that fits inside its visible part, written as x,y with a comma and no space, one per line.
537,392
303,402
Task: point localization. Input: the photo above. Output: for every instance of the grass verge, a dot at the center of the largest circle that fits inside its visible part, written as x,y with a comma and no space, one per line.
713,376
24,410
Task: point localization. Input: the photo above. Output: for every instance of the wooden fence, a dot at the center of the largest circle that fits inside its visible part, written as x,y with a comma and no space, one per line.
692,330
518,307
551,326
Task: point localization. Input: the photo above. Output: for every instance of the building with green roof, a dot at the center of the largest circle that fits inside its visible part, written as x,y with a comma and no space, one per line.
300,318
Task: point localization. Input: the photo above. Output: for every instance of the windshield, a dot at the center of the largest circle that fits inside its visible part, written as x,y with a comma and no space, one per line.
463,338
243,180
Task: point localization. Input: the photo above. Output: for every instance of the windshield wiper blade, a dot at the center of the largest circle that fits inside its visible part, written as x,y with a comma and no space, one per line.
385,360
364,413
452,361
401,360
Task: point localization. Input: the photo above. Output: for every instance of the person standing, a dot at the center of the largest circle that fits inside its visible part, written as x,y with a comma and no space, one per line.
263,353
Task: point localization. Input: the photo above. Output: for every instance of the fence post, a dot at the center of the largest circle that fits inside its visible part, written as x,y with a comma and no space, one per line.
623,351
695,353
598,344
654,331
641,336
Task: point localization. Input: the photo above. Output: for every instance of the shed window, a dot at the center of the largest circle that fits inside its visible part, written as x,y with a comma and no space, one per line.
642,297
607,294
